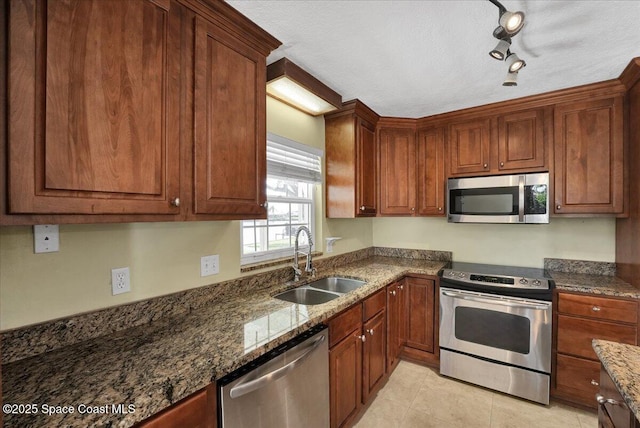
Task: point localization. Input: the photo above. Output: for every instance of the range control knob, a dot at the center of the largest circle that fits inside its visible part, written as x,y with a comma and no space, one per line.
452,273
536,282
461,275
524,281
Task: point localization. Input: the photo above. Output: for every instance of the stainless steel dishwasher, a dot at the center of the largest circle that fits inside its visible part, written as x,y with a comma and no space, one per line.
287,387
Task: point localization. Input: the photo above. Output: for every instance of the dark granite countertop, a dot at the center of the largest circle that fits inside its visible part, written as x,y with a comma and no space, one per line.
595,284
154,365
622,363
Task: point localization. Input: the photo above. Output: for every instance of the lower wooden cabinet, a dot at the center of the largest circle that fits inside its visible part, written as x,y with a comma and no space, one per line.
373,355
421,320
396,322
196,411
581,318
612,415
345,378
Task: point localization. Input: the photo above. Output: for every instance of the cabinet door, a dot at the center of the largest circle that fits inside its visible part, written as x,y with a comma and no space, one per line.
431,176
575,335
521,140
469,147
397,172
612,415
589,166
366,170
230,134
393,326
195,411
345,372
577,379
94,116
420,316
373,355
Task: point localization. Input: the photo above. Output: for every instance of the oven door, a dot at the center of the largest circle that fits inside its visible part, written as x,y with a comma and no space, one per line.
505,329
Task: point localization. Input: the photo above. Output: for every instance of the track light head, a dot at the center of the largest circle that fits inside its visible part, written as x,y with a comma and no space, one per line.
500,51
514,63
511,79
512,22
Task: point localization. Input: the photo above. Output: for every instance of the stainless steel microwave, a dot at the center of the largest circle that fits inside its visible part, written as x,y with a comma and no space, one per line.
522,198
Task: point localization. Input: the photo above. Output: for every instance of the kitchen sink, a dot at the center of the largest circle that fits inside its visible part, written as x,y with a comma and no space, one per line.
336,284
306,296
320,291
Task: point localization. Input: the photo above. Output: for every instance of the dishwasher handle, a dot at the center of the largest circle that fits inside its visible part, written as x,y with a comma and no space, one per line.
245,388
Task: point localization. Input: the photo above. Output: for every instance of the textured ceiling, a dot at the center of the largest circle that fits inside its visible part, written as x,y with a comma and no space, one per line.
418,58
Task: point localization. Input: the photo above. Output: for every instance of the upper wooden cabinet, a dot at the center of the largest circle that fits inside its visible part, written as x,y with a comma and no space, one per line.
103,96
92,114
499,145
397,148
431,175
589,157
351,154
230,132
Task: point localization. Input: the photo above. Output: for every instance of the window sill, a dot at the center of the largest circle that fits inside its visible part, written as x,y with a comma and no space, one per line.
275,262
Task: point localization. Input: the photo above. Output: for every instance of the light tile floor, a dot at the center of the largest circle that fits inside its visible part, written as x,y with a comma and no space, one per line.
418,397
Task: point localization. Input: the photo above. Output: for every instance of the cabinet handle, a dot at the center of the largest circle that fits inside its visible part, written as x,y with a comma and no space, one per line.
400,287
393,292
501,164
594,382
596,309
175,202
601,400
362,208
558,207
485,165
370,332
439,208
264,204
413,209
363,338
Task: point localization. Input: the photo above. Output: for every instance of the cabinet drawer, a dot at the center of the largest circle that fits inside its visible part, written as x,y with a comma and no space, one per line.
373,305
344,323
575,335
598,307
575,377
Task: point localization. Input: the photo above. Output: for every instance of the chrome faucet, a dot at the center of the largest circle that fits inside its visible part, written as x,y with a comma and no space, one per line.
309,266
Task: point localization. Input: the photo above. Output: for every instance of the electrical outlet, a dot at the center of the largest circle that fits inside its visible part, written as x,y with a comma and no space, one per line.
209,265
46,238
120,282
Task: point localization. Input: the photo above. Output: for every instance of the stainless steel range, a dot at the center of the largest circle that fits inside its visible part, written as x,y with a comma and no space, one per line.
495,327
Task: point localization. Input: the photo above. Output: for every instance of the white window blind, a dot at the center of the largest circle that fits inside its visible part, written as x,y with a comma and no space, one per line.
290,159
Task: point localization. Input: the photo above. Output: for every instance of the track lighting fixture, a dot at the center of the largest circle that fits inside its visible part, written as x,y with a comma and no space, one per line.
509,24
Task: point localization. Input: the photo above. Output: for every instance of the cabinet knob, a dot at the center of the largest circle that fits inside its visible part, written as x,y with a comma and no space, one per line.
439,208
400,287
393,292
370,332
264,204
363,338
362,208
596,309
175,202
594,382
558,207
413,209
501,164
485,165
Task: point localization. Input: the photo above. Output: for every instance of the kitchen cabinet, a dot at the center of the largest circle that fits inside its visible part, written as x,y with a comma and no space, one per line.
431,175
397,146
615,413
136,111
351,162
396,321
580,319
509,142
589,157
357,359
196,411
421,319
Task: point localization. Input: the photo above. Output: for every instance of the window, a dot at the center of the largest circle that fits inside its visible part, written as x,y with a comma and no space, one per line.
293,169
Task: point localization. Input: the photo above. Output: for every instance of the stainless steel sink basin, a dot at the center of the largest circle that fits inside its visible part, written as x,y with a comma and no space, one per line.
336,284
320,291
306,296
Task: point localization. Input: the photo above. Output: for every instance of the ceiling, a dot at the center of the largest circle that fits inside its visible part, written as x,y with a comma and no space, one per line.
418,58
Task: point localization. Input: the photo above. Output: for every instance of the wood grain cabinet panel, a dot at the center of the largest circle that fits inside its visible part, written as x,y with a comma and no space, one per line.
345,371
397,171
373,354
521,140
589,164
614,415
351,162
199,410
578,378
431,176
575,335
625,311
229,106
93,116
420,314
469,147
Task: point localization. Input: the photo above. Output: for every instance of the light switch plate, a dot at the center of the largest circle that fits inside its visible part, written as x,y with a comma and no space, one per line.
46,238
209,265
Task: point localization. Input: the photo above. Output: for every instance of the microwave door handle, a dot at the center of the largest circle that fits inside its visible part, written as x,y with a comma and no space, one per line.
520,305
245,388
521,198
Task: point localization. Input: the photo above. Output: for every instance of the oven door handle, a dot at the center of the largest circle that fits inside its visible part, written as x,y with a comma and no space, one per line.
245,388
520,305
521,198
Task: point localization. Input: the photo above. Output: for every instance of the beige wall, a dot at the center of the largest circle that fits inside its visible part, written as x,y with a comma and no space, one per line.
510,244
163,257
